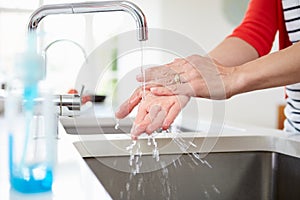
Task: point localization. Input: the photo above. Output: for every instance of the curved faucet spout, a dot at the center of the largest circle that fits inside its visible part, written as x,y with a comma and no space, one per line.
92,7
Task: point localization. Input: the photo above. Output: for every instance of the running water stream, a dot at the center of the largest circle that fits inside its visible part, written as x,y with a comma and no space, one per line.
143,71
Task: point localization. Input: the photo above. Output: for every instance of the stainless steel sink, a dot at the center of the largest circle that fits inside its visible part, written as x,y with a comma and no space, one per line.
97,130
93,125
227,176
241,165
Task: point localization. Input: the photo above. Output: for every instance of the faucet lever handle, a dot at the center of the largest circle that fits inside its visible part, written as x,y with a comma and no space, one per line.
68,104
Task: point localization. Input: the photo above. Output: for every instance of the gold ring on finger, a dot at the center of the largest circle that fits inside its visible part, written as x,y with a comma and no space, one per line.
177,79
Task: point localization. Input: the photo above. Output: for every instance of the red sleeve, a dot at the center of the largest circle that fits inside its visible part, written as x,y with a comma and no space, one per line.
259,25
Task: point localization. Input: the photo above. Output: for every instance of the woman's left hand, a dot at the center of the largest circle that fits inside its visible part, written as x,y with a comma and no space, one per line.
154,112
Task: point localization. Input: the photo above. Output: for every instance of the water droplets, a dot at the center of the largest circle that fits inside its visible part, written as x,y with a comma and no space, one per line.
205,162
155,153
216,189
127,186
191,160
192,144
139,185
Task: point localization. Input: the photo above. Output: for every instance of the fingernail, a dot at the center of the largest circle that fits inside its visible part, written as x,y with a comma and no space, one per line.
166,125
133,137
153,89
132,100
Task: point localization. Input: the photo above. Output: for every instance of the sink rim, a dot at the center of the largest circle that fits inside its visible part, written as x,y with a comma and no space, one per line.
247,138
98,145
84,121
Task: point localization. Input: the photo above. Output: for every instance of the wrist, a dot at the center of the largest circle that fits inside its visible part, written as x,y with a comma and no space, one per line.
239,81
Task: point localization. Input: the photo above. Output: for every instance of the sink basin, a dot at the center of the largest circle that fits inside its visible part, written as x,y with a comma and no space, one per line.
231,175
238,167
92,125
243,165
97,130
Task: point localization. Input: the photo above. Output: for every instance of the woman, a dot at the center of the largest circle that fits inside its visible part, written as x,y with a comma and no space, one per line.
239,64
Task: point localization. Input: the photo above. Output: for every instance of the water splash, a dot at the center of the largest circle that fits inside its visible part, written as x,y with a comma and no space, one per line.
205,161
155,153
139,186
216,189
127,186
174,163
192,144
117,124
187,147
206,194
135,161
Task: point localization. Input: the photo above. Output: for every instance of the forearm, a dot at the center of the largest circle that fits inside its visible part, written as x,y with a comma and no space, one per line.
277,69
233,51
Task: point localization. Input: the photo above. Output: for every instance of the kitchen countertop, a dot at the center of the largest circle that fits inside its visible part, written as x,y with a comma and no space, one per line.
73,179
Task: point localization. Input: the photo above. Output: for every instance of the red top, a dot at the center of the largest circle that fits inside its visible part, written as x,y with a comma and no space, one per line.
260,24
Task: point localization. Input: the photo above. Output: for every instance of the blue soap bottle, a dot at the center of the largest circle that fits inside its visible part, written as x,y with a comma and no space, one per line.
30,116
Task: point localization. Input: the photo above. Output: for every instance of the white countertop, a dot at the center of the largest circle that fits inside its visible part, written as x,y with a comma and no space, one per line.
73,179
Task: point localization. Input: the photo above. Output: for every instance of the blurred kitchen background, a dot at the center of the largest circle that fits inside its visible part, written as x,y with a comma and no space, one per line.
206,22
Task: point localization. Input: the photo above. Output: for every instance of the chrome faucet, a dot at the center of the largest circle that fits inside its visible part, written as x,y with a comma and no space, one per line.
92,7
69,105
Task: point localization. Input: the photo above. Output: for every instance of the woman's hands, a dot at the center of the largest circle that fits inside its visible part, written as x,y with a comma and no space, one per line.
195,76
169,88
154,112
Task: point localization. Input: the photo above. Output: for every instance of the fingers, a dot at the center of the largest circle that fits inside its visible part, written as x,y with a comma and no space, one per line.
160,115
194,76
143,119
174,111
161,72
161,91
172,79
139,126
147,121
179,89
157,122
171,116
133,101
154,73
129,104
